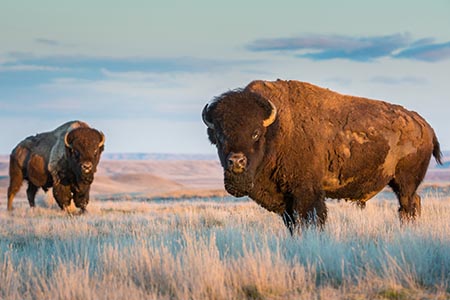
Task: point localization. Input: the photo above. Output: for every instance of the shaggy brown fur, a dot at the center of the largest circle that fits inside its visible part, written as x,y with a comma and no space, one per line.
322,144
45,160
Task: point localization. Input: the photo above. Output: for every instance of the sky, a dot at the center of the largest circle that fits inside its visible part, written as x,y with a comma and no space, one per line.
141,71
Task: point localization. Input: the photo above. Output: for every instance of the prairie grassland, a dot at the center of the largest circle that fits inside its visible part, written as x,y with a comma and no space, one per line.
222,250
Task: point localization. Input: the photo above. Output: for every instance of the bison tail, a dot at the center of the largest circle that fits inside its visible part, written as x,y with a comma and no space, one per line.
437,150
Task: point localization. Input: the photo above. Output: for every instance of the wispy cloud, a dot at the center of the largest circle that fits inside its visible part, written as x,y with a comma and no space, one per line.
29,68
48,42
120,64
427,52
102,90
325,47
341,81
409,80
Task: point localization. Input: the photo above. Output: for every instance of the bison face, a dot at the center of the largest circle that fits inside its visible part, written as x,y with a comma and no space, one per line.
237,123
83,148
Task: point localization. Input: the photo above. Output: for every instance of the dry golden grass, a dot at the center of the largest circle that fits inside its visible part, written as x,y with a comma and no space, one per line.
221,250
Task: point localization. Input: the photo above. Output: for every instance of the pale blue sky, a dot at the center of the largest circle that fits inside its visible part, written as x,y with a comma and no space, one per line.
141,71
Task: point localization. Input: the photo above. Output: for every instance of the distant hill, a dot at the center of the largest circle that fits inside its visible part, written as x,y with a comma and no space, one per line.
173,156
153,175
146,156
157,156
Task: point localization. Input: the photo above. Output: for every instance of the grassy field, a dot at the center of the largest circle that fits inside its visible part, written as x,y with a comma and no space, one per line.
222,250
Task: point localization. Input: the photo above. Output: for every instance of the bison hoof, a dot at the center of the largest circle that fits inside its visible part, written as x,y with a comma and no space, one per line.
290,221
68,210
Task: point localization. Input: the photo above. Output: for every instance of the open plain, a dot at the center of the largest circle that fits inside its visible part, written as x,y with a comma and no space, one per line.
165,229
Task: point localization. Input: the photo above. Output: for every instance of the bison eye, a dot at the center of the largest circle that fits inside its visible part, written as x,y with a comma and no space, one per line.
255,135
76,153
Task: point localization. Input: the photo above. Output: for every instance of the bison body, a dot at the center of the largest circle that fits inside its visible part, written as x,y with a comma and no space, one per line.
288,145
64,159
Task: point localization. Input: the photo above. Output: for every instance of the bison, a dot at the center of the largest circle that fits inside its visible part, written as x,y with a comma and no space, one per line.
288,145
64,159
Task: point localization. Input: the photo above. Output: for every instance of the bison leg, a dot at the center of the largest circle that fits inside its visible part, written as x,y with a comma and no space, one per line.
15,180
405,185
63,195
31,193
409,173
289,219
290,216
311,209
306,209
410,206
361,204
315,214
81,197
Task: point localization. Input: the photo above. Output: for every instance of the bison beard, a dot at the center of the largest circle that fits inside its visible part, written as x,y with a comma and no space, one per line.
83,178
87,178
238,185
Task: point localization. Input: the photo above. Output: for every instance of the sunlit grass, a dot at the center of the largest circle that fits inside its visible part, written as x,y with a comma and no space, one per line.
213,250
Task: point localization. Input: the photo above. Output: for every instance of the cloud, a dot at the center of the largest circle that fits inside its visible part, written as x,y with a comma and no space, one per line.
321,47
326,47
52,85
427,52
20,71
125,64
25,70
29,68
341,81
138,93
409,80
138,105
48,42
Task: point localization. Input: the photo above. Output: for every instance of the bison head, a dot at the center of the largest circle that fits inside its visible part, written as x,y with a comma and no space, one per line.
83,149
237,124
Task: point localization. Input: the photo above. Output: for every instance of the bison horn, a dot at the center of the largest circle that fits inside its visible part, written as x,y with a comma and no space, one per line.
273,115
66,141
205,120
102,142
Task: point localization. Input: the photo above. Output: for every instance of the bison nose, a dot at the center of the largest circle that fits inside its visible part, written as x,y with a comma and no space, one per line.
86,167
237,162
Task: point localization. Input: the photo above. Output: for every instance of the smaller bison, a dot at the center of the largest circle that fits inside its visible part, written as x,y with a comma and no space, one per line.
288,145
64,159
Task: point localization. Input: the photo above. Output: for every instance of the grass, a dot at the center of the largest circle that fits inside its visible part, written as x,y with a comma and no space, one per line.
230,250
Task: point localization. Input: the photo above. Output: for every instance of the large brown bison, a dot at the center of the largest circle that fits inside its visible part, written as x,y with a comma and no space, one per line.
65,159
288,145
